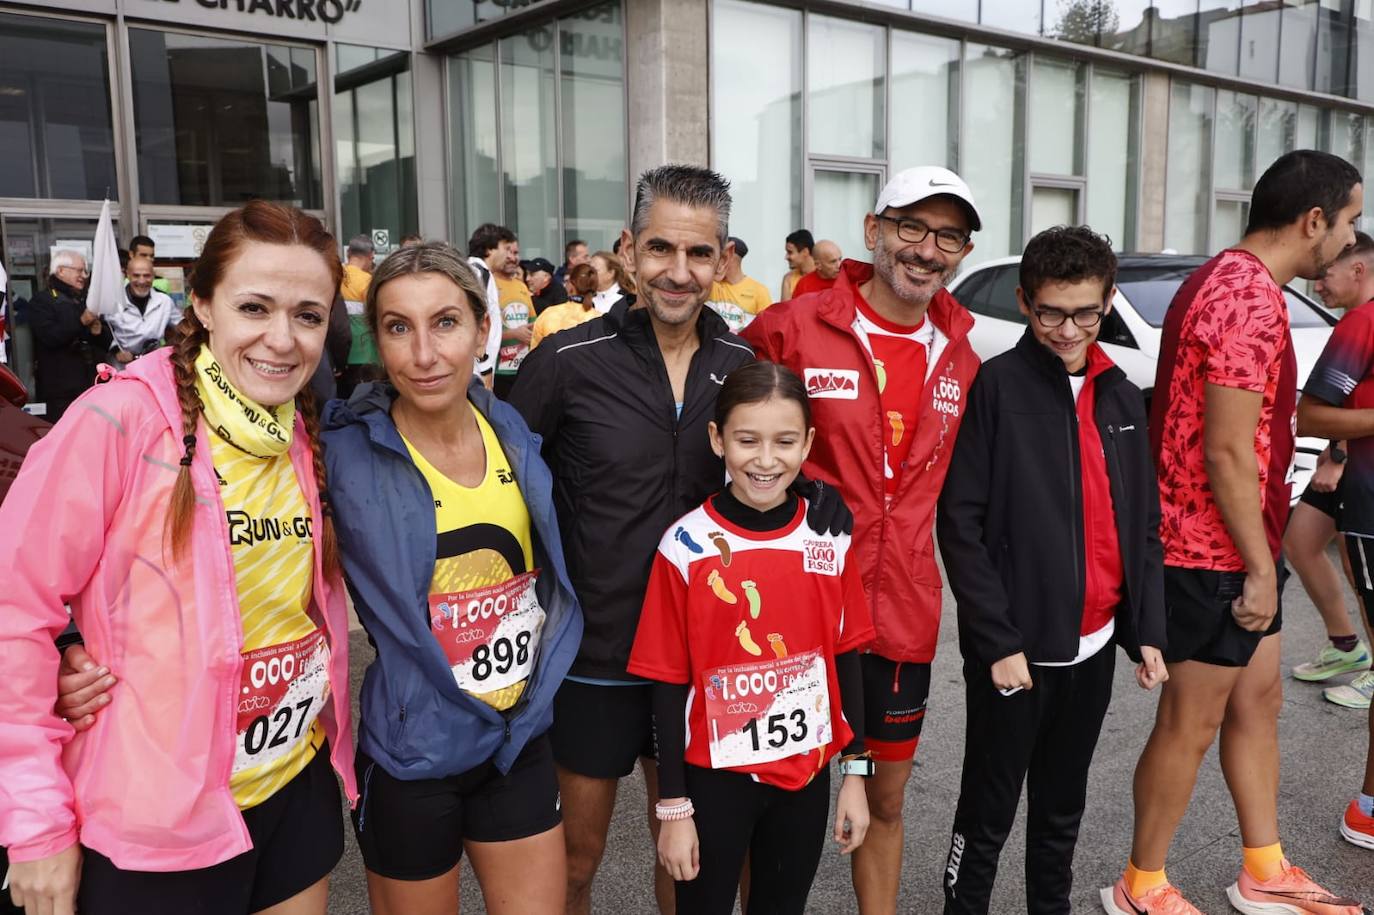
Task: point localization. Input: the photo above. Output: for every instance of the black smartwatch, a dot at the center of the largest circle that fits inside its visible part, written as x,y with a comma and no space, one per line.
1338,455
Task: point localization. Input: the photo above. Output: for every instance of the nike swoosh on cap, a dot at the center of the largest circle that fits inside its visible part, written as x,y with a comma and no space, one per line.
933,183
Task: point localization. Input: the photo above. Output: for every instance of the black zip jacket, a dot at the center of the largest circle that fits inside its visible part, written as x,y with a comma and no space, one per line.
1010,520
624,465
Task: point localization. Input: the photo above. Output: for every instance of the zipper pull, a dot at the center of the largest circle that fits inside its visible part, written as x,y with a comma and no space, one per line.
507,732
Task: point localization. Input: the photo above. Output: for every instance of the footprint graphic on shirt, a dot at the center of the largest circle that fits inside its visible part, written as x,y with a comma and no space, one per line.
746,639
751,594
880,369
718,540
898,427
777,644
718,586
681,536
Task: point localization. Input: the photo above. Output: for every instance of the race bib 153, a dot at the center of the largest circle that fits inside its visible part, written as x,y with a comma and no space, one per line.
767,710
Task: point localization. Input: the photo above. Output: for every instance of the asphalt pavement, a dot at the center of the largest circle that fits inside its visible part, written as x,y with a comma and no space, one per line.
1323,750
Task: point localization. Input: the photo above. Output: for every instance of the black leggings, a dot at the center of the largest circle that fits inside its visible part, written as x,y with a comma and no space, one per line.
782,832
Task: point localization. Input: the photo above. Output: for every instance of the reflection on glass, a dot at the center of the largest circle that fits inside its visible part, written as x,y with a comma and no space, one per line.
1053,206
1228,223
1361,80
1056,113
757,142
1298,50
1308,125
1218,36
1260,28
474,183
1335,44
56,138
1122,25
1113,152
1278,130
1186,201
993,127
1013,15
593,111
1173,33
220,121
375,143
846,62
840,202
443,17
965,10
1234,153
925,90
1345,136
528,143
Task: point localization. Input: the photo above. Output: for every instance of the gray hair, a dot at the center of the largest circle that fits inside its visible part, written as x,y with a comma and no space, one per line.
688,185
428,257
360,246
66,257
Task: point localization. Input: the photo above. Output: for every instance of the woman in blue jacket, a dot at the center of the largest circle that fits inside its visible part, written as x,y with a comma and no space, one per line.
446,526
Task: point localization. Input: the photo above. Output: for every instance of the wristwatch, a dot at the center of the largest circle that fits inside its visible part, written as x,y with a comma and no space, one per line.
1338,455
857,765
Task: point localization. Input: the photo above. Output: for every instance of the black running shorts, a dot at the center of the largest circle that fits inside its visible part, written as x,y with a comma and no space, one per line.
1197,604
895,694
599,731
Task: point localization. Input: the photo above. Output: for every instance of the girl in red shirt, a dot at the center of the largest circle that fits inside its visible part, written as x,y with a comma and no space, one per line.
751,629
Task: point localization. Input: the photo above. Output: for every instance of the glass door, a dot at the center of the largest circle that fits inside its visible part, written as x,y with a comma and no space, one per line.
840,198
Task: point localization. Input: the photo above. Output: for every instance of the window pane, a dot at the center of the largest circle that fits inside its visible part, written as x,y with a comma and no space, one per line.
446,16
1014,15
56,138
1186,202
1124,25
475,183
1174,34
1278,129
1228,223
1234,157
1361,81
1259,41
1346,136
761,149
965,10
845,67
220,121
374,139
1218,27
840,201
595,198
994,89
528,143
1335,36
1053,206
1309,119
1113,149
925,68
1298,54
1056,110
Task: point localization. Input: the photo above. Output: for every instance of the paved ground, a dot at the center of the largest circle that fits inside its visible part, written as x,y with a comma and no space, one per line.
1323,748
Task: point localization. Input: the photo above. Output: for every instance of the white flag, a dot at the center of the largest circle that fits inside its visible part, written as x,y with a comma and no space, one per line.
106,285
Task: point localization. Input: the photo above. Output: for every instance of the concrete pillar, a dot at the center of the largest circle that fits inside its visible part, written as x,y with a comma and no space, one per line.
668,83
1154,161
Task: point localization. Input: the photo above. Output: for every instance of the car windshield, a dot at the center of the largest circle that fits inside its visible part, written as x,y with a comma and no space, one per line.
1151,289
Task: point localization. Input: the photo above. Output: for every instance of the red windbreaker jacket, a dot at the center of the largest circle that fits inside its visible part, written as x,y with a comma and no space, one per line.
816,337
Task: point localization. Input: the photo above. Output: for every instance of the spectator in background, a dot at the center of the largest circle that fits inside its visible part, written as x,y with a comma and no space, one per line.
411,240
828,259
144,314
571,313
539,277
800,262
612,283
574,252
357,276
69,339
517,311
737,298
143,246
484,250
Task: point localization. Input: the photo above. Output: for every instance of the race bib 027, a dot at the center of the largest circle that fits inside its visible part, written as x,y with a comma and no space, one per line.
767,710
281,691
489,635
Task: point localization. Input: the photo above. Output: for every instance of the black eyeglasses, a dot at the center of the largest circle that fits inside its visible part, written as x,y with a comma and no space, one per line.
1053,317
951,241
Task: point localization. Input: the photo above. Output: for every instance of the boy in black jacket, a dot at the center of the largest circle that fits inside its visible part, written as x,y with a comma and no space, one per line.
1048,525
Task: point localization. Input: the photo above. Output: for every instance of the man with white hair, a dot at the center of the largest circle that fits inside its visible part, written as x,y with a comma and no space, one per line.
143,315
69,339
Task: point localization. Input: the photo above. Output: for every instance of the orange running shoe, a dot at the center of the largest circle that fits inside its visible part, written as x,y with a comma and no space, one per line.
1292,892
1162,900
1356,828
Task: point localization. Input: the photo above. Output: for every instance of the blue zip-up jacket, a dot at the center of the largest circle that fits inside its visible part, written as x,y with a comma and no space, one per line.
416,721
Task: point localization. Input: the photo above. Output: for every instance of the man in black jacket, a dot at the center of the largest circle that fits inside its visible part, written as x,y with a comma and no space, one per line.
69,339
623,403
1048,525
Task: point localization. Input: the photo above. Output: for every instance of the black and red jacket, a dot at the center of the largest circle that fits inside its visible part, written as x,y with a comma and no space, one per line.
815,336
1011,521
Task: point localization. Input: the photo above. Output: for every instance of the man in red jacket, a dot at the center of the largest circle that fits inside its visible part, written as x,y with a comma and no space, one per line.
887,364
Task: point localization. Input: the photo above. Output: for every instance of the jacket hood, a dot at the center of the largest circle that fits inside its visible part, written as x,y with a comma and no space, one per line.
154,372
838,303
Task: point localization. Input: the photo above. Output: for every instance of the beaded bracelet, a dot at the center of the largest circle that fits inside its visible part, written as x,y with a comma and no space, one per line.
680,811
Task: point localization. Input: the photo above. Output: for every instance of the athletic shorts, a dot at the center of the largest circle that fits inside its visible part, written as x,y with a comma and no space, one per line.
297,837
1328,503
1361,551
895,694
599,731
415,830
1200,627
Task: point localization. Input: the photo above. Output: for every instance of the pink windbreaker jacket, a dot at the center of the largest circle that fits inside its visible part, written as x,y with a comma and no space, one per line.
148,785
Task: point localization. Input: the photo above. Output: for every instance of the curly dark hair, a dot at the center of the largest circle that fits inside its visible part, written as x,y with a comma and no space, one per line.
1067,254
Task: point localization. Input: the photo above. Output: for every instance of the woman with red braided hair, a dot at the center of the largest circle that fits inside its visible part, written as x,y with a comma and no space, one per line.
179,510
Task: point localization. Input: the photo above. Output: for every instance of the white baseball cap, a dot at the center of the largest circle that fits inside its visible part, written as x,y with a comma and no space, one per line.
916,184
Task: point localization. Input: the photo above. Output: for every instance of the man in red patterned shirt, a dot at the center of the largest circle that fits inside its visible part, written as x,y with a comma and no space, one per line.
1222,429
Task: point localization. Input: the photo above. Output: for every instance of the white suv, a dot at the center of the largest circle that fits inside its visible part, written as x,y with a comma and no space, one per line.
1146,284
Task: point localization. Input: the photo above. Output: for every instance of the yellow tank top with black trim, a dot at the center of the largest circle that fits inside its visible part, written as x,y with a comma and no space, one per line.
483,534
